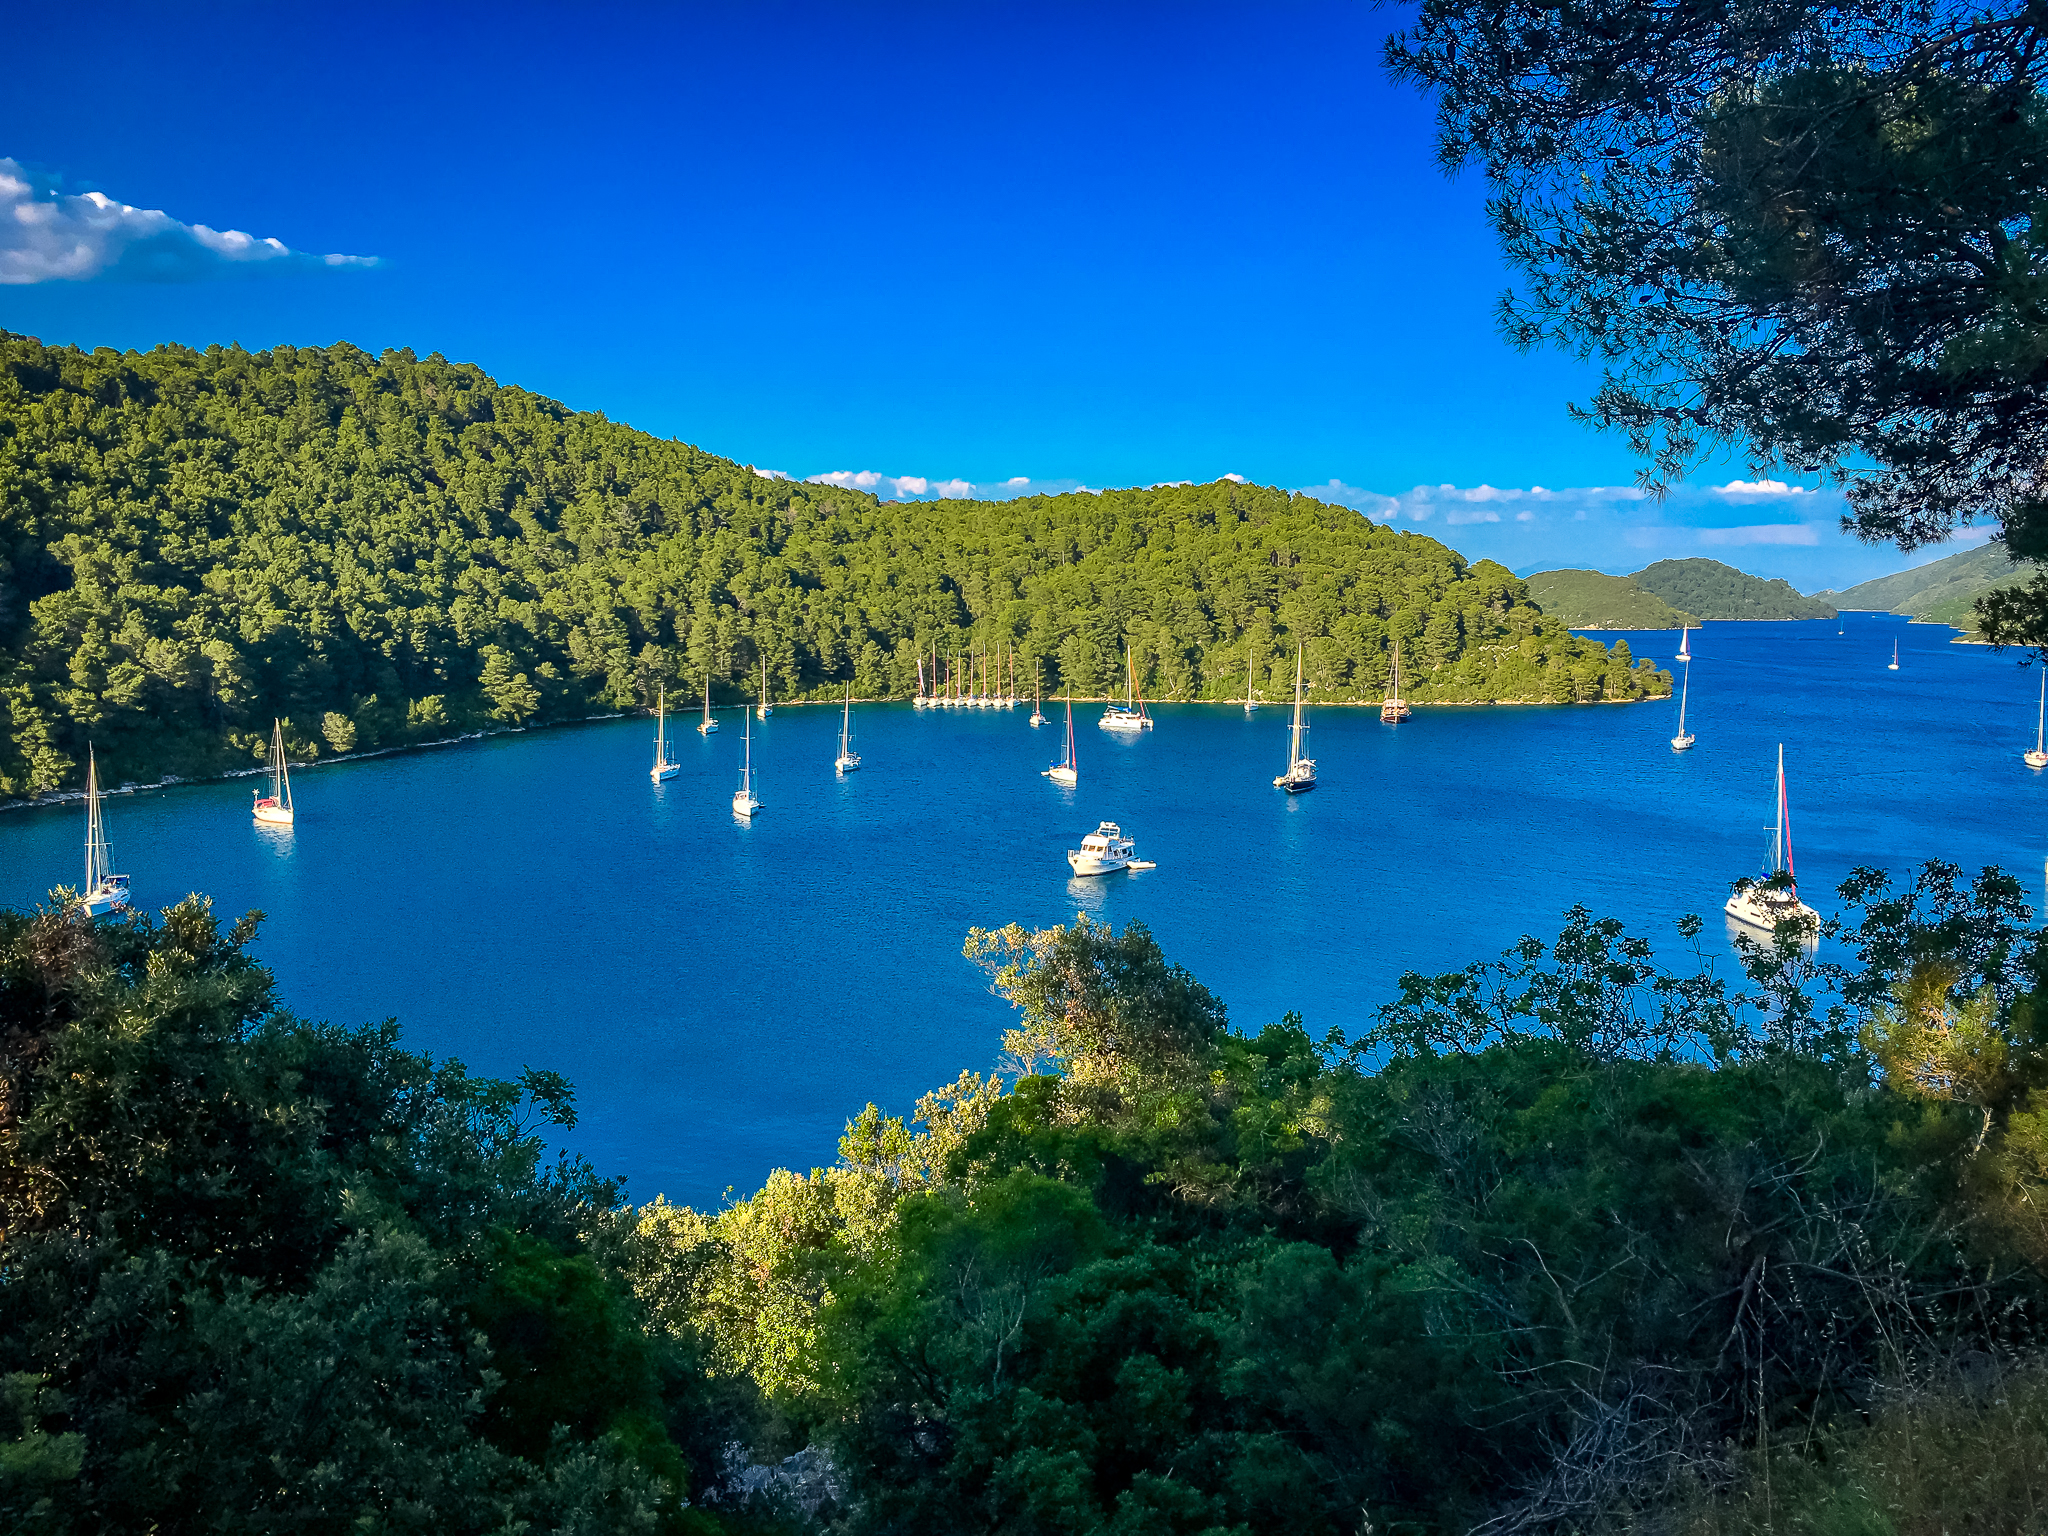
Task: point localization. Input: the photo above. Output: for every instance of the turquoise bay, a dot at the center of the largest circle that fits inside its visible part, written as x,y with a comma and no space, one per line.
724,995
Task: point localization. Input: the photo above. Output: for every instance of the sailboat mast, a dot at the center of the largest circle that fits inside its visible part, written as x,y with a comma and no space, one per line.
1294,746
1778,841
1684,689
2041,722
95,835
660,724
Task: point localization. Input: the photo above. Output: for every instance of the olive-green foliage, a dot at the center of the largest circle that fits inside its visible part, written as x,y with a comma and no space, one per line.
261,1275
1594,600
387,549
1716,591
1566,1238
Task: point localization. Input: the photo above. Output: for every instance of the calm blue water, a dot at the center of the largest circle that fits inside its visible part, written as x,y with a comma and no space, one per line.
724,995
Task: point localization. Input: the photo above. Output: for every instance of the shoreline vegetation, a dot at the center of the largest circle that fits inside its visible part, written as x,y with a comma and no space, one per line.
1160,1272
385,550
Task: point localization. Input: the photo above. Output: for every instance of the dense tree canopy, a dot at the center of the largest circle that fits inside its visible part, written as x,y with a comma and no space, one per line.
384,549
1813,230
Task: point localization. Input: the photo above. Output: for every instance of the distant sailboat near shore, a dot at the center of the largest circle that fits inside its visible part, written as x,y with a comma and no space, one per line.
1037,693
1395,709
1765,906
1067,770
707,725
664,767
103,891
1129,715
1301,771
1250,702
1682,742
744,801
848,760
2038,758
764,709
276,807
1895,658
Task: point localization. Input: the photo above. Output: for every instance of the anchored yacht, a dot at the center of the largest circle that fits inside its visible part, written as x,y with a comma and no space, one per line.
1764,905
1103,851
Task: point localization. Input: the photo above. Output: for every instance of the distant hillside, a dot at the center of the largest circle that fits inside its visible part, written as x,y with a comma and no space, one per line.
1595,600
1941,592
1716,591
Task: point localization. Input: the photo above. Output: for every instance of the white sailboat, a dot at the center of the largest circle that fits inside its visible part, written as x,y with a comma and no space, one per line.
1301,771
664,767
1067,770
848,760
1766,906
1250,703
1682,742
2038,758
1395,708
707,725
920,701
1895,657
103,891
1037,694
276,807
764,709
745,802
1129,715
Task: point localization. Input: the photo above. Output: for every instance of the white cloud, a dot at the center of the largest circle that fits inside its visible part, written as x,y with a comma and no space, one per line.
916,487
773,474
1238,478
1761,490
1017,480
1525,517
1762,533
47,235
953,488
1456,519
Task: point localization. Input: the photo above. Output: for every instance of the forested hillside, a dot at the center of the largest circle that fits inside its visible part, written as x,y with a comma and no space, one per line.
1716,591
1943,591
1595,600
388,549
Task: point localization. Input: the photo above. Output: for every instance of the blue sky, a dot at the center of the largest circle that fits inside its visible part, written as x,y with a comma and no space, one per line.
932,246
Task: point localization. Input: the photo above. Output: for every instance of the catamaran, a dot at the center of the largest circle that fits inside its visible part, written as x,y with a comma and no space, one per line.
848,760
707,725
1250,703
1068,769
664,767
744,801
103,891
1682,742
764,709
2038,758
1765,906
1895,657
1037,694
1129,715
1395,709
276,807
1103,851
1301,771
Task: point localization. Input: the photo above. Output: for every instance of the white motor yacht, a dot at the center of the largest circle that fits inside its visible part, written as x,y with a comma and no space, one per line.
1103,851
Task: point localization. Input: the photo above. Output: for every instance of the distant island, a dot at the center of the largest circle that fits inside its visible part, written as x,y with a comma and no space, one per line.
1943,591
389,549
1669,594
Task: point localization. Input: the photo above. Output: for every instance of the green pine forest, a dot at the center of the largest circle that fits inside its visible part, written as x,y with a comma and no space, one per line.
384,550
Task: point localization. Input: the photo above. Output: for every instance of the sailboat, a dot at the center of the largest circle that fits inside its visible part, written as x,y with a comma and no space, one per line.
2038,758
1250,703
848,760
103,891
1765,906
764,709
276,807
920,701
1395,709
1683,740
707,725
744,800
1129,715
1301,771
1895,657
1037,694
1068,769
664,766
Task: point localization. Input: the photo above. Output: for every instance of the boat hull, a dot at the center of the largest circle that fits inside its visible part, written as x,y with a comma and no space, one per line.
708,728
273,815
745,805
1121,722
1066,776
1682,743
662,771
1085,864
1763,911
847,764
1395,714
2036,759
104,899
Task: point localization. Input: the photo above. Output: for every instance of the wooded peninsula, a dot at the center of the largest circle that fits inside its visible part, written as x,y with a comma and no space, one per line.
383,550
